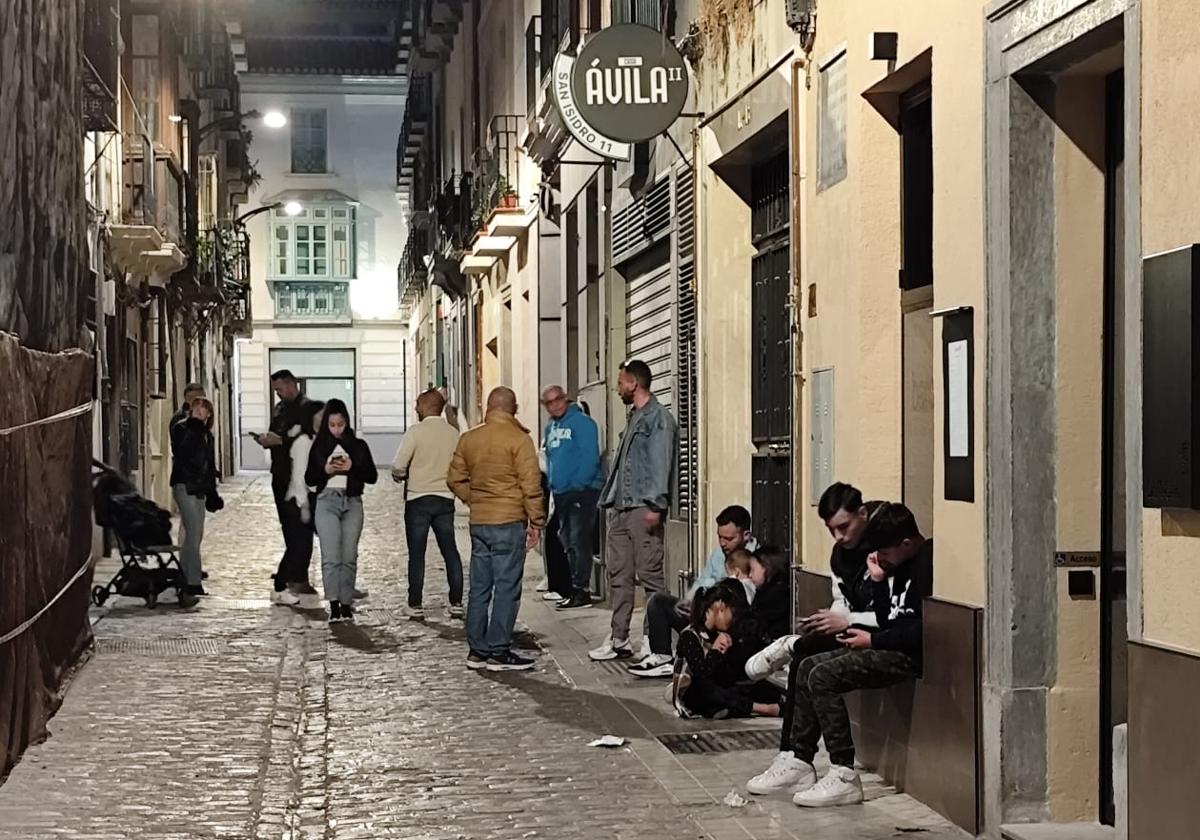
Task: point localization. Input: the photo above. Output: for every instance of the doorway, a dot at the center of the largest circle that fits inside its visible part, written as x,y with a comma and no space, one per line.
772,500
1114,699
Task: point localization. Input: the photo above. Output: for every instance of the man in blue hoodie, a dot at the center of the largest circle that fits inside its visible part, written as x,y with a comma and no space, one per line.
572,445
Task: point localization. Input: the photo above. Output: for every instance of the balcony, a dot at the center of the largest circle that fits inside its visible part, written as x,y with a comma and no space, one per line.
221,263
454,213
240,319
99,65
435,25
312,301
152,224
497,200
557,29
418,109
411,273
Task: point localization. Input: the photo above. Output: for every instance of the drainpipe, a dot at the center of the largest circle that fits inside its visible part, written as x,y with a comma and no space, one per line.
699,505
796,304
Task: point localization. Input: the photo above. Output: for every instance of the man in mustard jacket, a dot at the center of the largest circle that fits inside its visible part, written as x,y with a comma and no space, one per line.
495,471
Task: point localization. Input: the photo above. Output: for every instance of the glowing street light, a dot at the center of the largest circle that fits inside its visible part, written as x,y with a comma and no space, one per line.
274,119
293,208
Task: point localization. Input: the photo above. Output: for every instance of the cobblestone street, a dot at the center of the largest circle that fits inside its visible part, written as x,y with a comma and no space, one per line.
239,719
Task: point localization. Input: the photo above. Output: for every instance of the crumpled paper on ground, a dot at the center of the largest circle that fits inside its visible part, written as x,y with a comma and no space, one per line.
608,741
735,800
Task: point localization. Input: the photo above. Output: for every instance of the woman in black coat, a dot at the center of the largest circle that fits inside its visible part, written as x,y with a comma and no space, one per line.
194,484
339,466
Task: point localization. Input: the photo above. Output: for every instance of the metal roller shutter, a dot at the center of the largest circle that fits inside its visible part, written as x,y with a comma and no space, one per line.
649,321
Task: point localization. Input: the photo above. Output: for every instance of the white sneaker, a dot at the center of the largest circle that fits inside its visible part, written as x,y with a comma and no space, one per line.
771,658
287,598
785,773
654,665
551,596
611,650
415,613
543,587
841,786
644,652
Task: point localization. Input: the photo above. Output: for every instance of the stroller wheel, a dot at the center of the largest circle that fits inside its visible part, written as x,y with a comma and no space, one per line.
99,595
152,601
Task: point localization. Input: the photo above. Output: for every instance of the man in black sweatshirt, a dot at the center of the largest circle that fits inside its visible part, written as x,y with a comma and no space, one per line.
901,569
845,516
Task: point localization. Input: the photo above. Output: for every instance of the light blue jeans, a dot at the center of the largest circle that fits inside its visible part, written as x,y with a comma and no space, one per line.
191,516
497,567
339,522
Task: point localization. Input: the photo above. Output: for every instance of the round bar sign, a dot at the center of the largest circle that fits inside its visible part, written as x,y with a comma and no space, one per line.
629,83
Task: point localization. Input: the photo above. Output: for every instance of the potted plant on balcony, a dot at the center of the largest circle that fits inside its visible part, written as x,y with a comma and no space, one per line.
507,196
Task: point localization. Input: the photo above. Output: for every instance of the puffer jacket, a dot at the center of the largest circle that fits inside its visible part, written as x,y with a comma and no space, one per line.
495,471
195,464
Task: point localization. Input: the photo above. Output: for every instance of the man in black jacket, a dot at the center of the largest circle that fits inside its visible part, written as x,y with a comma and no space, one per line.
845,516
901,570
286,418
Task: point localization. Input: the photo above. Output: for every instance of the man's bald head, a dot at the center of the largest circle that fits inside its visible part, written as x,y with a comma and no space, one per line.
502,399
430,403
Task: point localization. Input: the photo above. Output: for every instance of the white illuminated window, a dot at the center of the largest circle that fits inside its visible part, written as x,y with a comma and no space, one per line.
316,243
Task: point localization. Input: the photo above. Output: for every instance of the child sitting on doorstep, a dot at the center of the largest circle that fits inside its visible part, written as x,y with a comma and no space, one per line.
711,658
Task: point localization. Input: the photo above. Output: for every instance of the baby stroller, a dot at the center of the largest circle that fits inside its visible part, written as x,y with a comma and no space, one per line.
149,563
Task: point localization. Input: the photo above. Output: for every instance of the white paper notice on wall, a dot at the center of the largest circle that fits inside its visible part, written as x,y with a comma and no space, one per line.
958,402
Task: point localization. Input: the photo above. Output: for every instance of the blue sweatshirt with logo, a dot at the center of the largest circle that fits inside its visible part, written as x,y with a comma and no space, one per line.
572,444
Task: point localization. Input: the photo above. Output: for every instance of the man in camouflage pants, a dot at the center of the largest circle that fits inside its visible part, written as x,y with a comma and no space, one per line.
901,567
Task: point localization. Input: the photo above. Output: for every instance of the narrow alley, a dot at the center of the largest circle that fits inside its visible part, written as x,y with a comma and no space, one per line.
239,719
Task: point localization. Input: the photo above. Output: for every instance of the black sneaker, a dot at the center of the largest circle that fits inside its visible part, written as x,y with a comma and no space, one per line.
187,600
477,661
302,588
578,601
197,590
347,612
508,661
335,612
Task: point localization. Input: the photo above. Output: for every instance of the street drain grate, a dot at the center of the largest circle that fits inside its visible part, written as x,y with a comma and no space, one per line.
618,667
237,603
697,743
158,647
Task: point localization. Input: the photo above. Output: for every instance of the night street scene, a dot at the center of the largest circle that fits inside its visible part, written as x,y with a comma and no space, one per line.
487,419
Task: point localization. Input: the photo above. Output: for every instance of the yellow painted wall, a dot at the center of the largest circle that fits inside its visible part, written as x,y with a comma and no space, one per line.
1170,219
852,253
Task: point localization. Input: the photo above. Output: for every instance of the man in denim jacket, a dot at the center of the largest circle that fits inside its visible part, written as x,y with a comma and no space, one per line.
637,495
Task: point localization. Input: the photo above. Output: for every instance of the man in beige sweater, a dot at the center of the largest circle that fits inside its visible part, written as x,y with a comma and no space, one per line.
422,462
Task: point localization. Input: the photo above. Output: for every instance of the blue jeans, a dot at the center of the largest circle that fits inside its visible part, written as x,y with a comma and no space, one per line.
577,519
191,517
497,566
421,514
339,521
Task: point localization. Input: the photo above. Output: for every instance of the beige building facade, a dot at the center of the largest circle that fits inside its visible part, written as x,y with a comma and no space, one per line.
900,246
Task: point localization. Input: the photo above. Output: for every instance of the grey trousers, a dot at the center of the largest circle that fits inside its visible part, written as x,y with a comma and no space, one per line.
191,516
339,521
633,555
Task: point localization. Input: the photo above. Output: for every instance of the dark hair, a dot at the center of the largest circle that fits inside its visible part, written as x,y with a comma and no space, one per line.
728,591
640,371
308,411
734,515
282,374
333,407
193,386
837,497
891,525
774,560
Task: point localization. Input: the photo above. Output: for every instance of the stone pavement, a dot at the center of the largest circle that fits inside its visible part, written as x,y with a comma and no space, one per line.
239,719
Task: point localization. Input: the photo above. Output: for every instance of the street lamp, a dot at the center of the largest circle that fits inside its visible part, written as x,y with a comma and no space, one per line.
274,119
293,208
